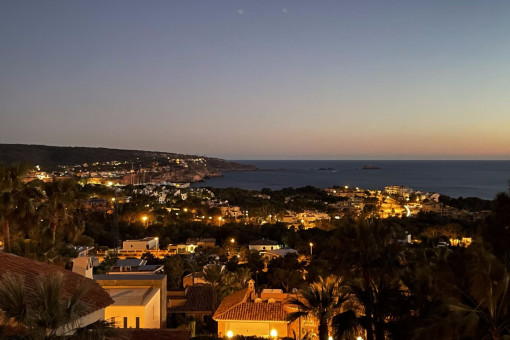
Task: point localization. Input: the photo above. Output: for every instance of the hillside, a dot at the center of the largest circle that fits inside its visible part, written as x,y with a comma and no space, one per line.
51,158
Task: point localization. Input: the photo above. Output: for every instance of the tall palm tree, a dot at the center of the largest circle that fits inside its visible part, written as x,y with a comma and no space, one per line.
373,261
213,275
60,205
320,300
485,307
11,187
232,282
194,267
243,275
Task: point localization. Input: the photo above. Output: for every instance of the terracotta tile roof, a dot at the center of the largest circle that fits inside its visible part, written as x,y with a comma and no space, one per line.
252,311
231,300
239,306
94,299
198,298
263,242
160,334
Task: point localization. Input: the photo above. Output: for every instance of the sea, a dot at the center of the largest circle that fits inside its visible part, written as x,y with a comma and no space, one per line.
483,179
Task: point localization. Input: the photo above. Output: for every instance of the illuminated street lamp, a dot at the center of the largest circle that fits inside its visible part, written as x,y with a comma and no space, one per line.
230,334
232,240
359,338
145,220
330,337
273,333
157,246
311,248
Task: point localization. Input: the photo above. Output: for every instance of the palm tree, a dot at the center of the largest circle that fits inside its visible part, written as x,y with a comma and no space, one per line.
11,187
243,275
485,307
60,205
320,300
194,267
213,275
232,282
373,261
43,312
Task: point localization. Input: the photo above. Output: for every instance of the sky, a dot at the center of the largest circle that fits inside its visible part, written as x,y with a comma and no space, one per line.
259,79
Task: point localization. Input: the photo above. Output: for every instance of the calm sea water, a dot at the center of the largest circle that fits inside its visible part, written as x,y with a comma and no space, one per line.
482,179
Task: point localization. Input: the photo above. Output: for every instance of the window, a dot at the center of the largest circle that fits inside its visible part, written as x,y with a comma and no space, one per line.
125,322
137,322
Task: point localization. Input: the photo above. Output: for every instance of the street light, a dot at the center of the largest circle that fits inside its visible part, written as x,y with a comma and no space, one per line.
230,334
359,338
311,248
157,246
145,220
273,333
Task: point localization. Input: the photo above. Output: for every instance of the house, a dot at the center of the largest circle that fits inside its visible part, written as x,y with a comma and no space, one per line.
263,244
202,242
94,301
136,266
139,299
147,243
270,255
83,266
194,301
199,277
245,313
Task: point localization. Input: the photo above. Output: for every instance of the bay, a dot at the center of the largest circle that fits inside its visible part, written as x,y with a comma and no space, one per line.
482,179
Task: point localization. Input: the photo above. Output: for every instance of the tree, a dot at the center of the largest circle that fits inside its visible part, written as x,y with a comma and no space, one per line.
373,264
485,308
213,275
42,312
319,300
11,188
60,205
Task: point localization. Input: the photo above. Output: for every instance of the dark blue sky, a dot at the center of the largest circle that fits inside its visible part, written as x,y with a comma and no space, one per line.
259,79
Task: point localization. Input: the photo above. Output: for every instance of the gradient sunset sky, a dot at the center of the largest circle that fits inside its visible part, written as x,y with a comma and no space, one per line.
260,79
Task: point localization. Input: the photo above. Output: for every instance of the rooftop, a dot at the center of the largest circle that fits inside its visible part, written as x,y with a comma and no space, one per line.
241,306
198,298
263,242
94,299
131,296
116,277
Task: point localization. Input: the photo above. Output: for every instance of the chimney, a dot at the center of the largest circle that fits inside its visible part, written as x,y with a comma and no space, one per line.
251,290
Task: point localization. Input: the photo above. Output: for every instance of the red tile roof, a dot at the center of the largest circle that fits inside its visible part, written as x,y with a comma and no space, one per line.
238,306
94,299
198,298
255,311
232,300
